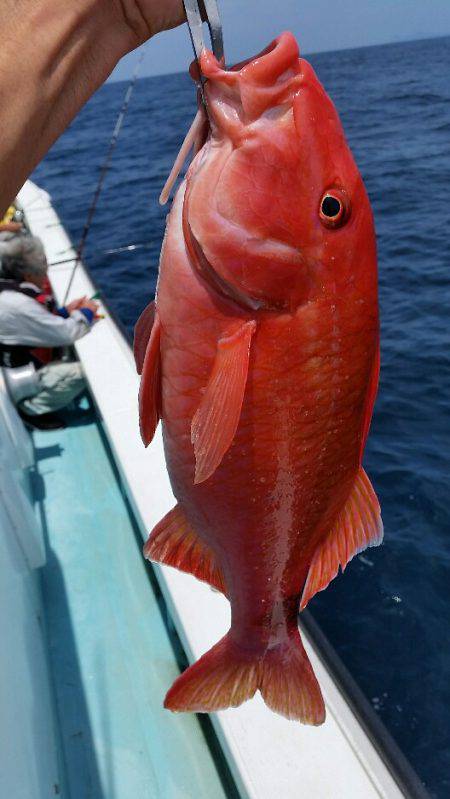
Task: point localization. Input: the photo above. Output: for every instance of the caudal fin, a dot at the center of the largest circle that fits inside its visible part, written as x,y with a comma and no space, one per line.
226,677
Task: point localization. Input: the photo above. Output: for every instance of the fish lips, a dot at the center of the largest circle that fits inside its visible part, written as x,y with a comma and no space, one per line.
243,93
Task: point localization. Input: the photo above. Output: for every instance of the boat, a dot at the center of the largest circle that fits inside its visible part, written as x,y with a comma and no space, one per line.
92,636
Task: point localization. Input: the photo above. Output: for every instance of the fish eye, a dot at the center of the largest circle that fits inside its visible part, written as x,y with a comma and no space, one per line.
334,208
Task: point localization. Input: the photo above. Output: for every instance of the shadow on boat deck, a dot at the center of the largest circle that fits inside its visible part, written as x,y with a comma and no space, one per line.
111,653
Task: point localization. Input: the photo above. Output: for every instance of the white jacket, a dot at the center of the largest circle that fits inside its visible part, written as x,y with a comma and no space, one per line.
26,322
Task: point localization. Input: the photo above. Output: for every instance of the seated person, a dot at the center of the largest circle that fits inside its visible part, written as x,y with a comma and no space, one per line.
32,329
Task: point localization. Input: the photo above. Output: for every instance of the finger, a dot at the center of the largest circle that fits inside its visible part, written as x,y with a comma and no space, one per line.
172,15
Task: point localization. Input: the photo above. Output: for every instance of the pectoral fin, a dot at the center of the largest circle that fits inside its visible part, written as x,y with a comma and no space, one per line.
358,526
215,422
150,388
142,333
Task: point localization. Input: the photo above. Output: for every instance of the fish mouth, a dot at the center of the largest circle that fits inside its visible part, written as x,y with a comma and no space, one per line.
236,98
264,69
241,94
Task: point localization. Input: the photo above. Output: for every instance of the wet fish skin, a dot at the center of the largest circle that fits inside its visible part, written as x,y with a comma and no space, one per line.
263,365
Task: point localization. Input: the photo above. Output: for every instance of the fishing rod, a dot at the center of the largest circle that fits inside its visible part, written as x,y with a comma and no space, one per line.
104,169
98,253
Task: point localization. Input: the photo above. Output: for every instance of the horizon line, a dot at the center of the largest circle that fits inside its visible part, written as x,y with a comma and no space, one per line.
393,42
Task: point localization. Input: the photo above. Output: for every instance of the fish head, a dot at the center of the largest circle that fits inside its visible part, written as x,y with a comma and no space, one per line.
275,211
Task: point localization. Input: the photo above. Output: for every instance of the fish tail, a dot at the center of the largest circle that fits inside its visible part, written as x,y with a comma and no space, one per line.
288,684
227,676
222,678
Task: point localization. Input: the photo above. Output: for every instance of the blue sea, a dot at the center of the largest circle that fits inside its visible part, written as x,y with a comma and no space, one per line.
389,615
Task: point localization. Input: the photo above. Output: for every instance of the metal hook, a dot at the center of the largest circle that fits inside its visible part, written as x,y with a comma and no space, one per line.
215,29
194,19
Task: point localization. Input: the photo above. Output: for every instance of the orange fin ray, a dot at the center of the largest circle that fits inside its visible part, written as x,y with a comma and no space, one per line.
150,388
288,684
217,417
226,677
142,333
175,543
357,527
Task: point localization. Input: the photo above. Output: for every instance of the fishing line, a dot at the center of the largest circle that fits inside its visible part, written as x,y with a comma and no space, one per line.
104,169
101,253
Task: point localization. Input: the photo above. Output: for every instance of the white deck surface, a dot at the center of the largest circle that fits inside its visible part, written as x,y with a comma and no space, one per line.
270,757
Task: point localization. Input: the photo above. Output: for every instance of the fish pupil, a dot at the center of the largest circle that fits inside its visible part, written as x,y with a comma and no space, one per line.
331,207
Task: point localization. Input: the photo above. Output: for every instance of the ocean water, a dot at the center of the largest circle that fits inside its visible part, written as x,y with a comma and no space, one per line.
389,615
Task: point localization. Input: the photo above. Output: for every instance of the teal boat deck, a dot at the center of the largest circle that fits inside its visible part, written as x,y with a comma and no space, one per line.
110,653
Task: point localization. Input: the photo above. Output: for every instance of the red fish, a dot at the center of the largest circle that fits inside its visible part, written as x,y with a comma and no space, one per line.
261,359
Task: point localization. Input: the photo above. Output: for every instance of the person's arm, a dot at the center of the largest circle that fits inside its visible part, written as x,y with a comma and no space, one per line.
54,55
10,227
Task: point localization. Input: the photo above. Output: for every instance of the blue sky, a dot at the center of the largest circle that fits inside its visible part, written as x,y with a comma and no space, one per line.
249,25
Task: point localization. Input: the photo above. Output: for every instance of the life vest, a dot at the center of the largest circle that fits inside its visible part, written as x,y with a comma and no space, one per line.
8,217
12,355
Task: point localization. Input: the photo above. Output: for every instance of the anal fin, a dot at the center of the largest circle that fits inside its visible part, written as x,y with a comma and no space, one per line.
217,417
174,542
357,527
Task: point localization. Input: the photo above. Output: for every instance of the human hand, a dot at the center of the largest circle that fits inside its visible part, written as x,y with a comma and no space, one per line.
91,305
76,304
10,227
149,17
44,87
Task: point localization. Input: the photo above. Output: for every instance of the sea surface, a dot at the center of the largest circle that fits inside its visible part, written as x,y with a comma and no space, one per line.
389,615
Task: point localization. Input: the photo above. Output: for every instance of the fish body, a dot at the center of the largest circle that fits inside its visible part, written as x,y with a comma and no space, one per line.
261,358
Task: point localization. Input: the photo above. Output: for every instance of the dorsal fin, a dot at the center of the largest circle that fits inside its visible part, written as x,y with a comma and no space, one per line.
215,422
